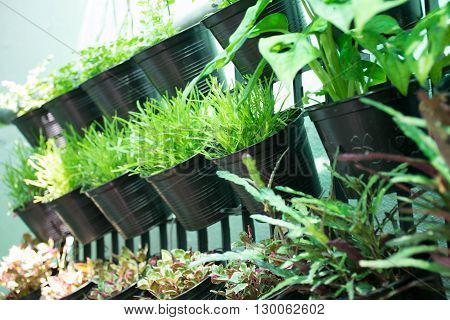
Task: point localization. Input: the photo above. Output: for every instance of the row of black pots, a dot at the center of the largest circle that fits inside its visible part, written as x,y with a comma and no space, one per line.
163,67
201,291
157,70
191,190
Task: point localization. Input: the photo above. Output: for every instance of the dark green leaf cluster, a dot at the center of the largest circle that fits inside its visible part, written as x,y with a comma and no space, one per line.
15,173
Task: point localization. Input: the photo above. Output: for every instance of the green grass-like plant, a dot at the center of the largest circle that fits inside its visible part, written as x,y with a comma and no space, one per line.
15,172
102,153
167,132
56,171
236,123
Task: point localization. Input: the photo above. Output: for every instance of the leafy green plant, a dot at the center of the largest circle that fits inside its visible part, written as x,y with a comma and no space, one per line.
26,267
432,181
101,153
113,277
70,275
243,279
167,132
37,89
234,125
55,171
172,275
15,173
66,78
336,61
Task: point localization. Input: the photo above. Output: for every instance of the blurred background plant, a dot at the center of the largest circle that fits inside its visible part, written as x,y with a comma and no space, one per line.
112,277
26,267
16,171
172,275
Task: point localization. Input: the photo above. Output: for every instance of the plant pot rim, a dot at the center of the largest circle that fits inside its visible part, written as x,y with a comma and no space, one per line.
88,285
66,195
172,170
319,112
51,104
27,206
168,43
233,9
107,185
29,114
105,74
297,114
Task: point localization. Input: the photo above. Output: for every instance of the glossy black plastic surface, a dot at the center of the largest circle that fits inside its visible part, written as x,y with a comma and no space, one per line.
176,61
74,109
194,193
116,91
82,216
354,127
36,122
296,169
80,293
131,205
43,221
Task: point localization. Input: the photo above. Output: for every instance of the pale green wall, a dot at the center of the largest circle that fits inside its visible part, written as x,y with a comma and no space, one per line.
22,47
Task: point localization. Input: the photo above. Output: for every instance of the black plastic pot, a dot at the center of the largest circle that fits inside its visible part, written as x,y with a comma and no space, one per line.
225,22
81,292
202,291
296,169
117,90
293,292
414,285
74,109
195,194
407,14
43,221
82,216
174,62
35,295
130,293
354,127
131,205
39,122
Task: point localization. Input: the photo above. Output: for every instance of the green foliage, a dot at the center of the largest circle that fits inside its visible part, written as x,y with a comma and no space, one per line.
112,278
172,275
336,61
16,172
21,98
243,280
55,172
166,133
95,60
102,153
331,244
67,78
235,123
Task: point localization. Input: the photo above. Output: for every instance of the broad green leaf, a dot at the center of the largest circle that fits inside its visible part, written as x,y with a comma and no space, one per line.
318,25
364,10
246,183
382,24
288,54
237,39
276,22
339,13
427,42
275,222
